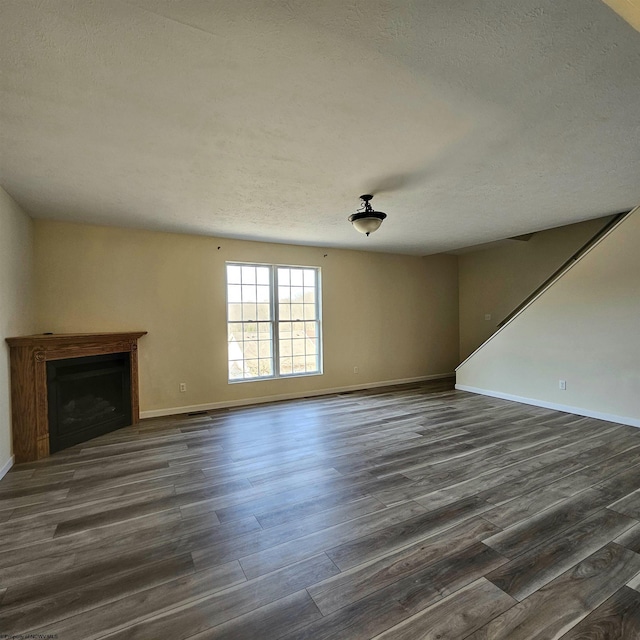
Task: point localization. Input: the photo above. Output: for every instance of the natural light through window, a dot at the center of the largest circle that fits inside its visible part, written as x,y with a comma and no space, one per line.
273,319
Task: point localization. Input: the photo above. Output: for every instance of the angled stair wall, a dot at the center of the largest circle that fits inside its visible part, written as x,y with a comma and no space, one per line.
584,328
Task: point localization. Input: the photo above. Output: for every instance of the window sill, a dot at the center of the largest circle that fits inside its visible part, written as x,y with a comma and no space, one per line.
292,376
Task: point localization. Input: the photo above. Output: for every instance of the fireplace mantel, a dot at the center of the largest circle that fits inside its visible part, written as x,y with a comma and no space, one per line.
29,356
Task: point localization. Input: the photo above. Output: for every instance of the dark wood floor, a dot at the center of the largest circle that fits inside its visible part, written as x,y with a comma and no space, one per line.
417,513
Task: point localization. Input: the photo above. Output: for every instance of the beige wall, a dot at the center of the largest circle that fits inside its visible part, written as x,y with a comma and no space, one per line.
627,9
496,280
394,317
16,255
584,329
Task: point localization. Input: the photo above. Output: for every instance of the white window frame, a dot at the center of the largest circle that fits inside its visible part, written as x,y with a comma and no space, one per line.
275,320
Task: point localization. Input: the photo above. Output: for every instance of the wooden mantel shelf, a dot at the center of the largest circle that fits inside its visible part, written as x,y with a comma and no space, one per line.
29,356
48,340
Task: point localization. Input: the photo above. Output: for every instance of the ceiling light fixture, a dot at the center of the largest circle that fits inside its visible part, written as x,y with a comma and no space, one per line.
367,220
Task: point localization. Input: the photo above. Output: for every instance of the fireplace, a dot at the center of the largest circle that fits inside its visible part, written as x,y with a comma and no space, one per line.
69,388
87,397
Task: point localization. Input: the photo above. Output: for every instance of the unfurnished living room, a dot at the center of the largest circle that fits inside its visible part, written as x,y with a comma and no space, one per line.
320,320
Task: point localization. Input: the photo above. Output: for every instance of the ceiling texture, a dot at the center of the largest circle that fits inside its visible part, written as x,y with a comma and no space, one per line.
470,121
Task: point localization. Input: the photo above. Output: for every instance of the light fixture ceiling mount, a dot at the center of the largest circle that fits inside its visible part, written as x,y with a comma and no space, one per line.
367,220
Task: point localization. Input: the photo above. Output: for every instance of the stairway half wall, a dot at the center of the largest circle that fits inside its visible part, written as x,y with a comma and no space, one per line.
584,329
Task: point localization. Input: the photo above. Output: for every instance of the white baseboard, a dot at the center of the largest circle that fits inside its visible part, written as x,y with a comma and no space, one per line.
609,417
171,411
4,469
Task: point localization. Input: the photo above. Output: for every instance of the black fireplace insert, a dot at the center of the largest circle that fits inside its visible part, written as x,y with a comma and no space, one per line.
87,397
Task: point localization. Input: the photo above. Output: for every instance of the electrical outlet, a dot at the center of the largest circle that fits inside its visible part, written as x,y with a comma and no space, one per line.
355,369
183,387
562,385
487,316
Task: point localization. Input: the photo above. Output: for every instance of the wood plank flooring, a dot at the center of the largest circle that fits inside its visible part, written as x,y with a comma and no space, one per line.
410,513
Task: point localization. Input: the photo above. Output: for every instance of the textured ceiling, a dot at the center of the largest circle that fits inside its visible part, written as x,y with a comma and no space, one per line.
266,119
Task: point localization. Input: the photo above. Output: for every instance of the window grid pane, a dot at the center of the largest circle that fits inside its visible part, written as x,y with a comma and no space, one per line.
250,300
297,301
299,346
250,350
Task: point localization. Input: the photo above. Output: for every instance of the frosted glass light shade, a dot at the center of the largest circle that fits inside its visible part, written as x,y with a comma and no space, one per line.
369,220
367,225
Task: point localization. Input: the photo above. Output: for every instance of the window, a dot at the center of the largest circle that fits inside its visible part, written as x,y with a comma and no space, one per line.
273,320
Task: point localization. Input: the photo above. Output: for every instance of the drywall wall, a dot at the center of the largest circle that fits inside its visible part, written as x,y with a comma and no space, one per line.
583,329
16,308
627,9
392,316
494,281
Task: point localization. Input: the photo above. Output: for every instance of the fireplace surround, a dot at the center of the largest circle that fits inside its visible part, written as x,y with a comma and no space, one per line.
101,369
